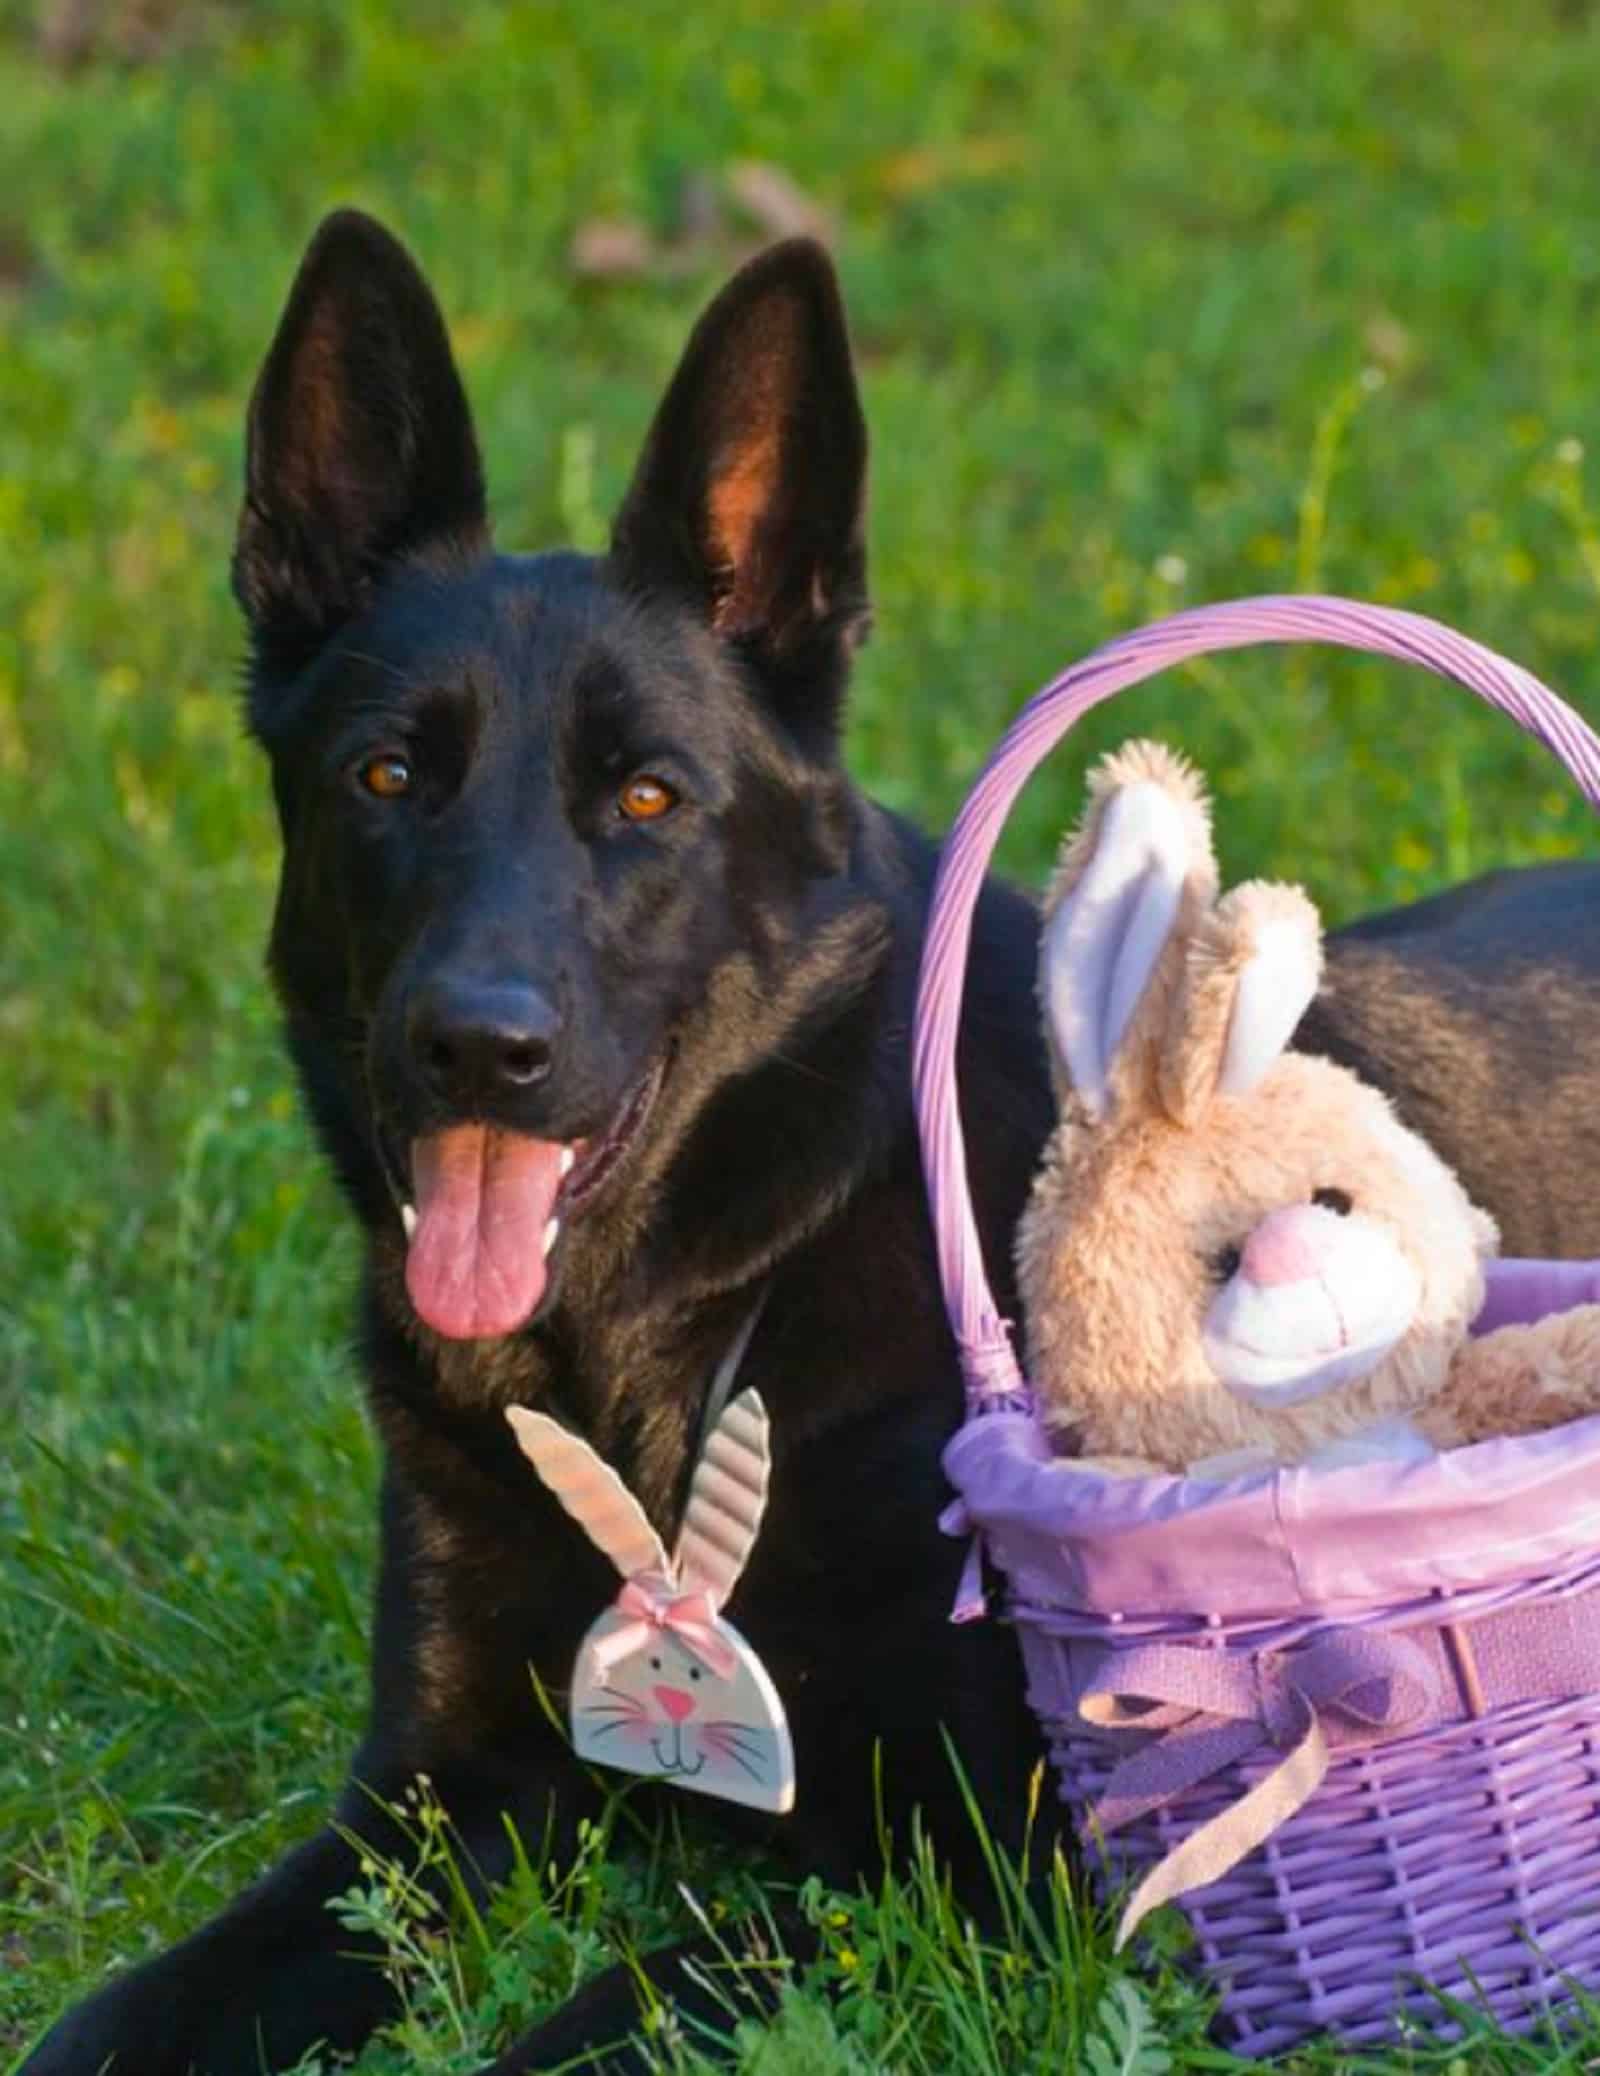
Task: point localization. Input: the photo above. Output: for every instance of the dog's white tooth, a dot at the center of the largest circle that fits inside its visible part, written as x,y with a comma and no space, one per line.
408,1218
568,1155
550,1232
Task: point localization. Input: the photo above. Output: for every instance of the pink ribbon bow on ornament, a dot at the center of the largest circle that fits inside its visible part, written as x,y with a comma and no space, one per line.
653,1604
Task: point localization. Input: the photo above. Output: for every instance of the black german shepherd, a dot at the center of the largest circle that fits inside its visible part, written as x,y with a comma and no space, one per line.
597,972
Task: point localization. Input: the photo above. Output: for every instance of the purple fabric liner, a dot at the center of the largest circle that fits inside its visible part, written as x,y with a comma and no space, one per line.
1518,1292
1277,1544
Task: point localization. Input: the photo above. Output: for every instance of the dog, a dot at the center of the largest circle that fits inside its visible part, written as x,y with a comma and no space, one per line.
597,972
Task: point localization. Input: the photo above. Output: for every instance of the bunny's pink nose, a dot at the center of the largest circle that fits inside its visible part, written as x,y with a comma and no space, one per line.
673,1703
1281,1248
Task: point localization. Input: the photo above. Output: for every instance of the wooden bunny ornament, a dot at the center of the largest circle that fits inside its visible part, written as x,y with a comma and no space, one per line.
664,1684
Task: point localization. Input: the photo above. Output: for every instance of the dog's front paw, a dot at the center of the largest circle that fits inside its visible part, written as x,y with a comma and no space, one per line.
158,2021
106,2038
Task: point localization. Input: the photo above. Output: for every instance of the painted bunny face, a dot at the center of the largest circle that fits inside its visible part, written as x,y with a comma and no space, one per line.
662,1711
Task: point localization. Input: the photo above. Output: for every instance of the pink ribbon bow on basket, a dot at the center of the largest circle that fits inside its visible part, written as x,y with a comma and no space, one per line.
653,1604
1197,1710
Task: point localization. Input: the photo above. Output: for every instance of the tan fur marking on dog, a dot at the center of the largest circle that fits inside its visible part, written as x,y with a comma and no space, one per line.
741,495
320,403
746,475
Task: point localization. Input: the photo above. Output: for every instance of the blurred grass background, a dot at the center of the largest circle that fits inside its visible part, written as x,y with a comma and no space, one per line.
1153,304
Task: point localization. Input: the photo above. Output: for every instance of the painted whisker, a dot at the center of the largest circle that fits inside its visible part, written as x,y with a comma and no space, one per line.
730,1733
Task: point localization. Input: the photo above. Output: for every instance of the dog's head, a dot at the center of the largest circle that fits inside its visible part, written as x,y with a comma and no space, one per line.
546,819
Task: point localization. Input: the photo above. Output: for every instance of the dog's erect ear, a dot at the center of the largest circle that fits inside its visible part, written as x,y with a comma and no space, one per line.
360,445
748,498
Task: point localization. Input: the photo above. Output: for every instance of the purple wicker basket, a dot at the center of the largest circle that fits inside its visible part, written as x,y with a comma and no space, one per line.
1350,1717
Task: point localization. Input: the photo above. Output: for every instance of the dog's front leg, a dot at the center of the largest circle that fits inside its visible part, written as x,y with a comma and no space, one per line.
271,1976
277,1972
700,1987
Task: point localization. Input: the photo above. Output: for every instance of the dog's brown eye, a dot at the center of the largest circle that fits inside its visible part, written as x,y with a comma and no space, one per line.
387,777
1225,1264
1338,1201
646,798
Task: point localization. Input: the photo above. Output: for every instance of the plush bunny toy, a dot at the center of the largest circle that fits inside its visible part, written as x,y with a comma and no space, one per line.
1237,1256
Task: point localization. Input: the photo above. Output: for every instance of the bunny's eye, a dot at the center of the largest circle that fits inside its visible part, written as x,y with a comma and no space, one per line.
1338,1201
694,1672
655,1664
1225,1264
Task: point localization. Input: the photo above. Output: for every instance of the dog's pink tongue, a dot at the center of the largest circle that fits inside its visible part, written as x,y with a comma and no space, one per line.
475,1266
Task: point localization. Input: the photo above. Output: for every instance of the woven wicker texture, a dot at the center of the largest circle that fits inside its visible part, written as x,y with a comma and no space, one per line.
1463,1859
1449,1738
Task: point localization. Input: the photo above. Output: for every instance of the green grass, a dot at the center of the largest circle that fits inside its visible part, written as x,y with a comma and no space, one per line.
1154,304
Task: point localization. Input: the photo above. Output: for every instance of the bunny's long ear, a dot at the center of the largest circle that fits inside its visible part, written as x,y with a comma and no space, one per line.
591,1492
727,1498
1250,974
1131,886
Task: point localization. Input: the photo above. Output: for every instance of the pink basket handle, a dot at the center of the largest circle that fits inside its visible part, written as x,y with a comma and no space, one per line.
983,1341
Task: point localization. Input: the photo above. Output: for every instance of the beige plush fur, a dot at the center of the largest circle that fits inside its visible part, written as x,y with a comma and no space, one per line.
1519,1380
1217,951
1127,1235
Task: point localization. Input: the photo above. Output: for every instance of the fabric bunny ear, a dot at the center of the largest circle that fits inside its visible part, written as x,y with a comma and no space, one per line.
727,1498
1131,886
1250,975
591,1492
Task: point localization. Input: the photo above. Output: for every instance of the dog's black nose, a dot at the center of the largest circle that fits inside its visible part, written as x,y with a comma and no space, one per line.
477,1039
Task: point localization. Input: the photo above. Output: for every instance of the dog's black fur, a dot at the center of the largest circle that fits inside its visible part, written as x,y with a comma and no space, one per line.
738,973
